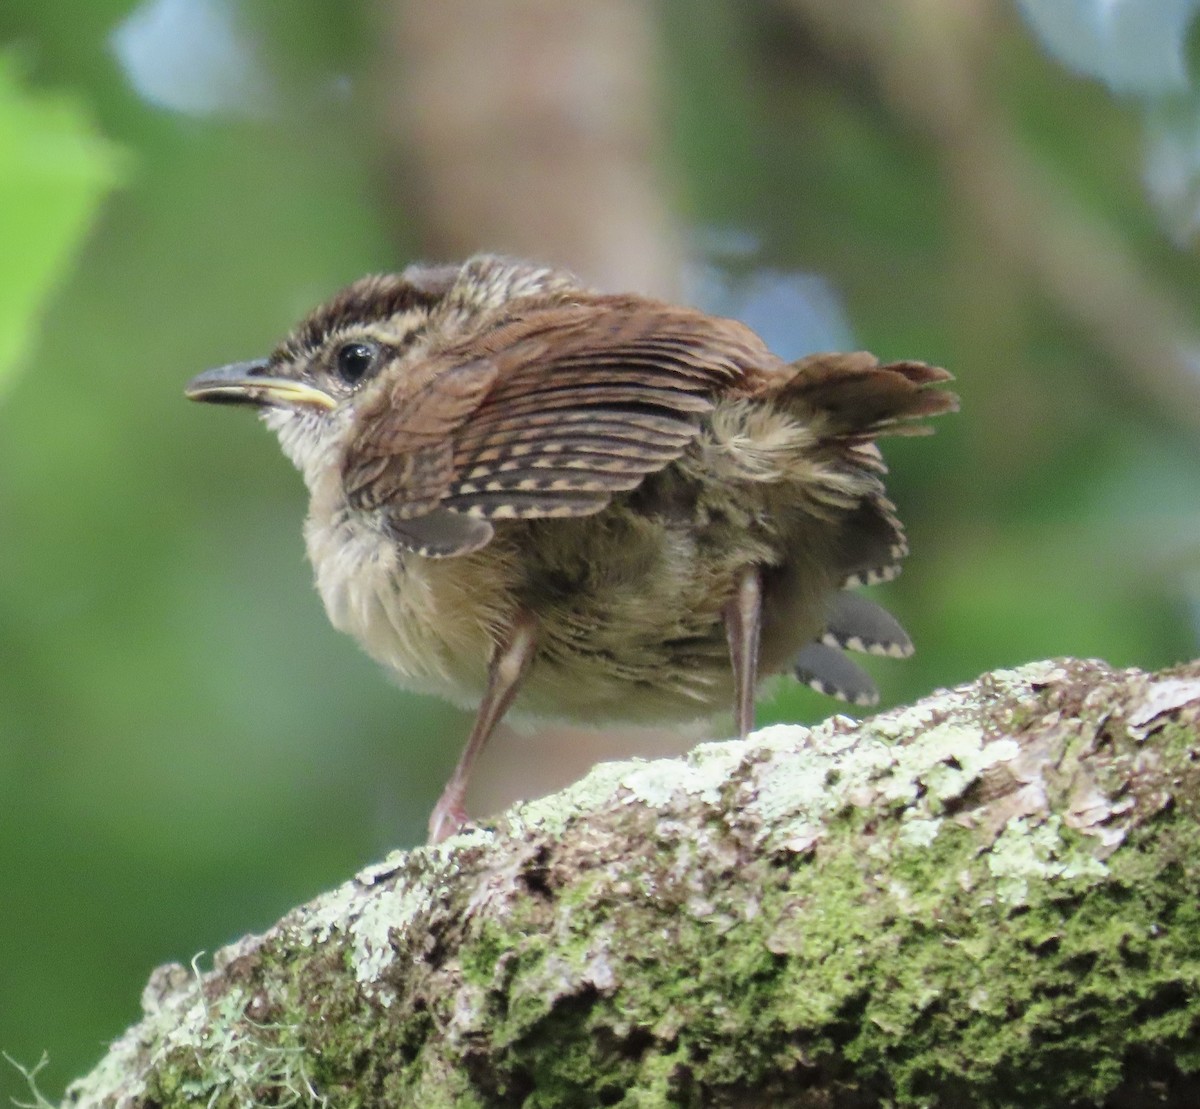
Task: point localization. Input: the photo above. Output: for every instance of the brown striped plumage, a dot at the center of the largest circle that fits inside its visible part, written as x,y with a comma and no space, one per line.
526,492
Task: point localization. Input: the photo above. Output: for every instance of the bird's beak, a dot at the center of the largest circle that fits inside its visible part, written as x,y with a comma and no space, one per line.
249,383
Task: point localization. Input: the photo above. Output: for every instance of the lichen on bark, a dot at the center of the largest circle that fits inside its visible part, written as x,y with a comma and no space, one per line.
991,897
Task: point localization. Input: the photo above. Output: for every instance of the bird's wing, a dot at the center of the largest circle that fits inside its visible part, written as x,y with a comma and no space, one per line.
549,413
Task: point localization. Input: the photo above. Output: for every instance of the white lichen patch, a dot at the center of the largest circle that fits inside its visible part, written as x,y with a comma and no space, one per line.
1021,679
808,774
702,775
712,765
366,921
593,791
655,783
1028,851
798,790
371,929
942,762
919,831
916,718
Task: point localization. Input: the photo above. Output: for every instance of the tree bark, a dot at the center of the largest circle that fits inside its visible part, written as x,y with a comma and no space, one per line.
989,898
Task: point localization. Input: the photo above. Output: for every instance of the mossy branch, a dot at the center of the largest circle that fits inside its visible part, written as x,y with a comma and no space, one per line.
989,898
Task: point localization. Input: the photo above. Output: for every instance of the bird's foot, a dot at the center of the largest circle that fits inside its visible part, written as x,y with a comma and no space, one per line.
448,818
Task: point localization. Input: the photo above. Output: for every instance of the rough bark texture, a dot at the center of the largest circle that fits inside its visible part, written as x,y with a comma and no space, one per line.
989,898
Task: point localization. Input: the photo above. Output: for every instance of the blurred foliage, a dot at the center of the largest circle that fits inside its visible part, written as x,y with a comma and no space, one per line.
56,169
186,748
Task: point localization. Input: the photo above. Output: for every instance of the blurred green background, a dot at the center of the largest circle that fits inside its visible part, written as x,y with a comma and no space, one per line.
186,748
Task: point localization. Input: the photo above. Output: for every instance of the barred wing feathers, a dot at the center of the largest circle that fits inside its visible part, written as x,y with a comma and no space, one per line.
548,414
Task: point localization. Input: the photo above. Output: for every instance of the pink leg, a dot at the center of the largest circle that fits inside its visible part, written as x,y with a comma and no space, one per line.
510,661
743,626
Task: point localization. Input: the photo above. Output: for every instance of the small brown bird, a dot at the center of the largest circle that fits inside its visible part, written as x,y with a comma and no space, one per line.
588,507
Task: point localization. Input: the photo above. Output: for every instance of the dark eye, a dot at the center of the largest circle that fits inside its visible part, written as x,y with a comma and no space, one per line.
355,361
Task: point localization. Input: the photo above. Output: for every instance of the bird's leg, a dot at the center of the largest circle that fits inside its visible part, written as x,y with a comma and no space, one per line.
743,626
509,664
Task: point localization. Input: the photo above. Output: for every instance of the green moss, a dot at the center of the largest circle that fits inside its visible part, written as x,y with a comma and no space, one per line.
480,959
836,964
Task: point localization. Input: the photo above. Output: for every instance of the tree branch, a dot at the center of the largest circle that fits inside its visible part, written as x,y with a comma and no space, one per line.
990,897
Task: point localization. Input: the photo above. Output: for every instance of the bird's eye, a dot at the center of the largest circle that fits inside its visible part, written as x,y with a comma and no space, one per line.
355,360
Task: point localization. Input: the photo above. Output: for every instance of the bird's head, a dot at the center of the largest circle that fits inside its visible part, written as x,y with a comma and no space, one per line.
312,383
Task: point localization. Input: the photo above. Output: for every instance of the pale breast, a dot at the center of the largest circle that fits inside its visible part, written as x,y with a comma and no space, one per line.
603,654
413,615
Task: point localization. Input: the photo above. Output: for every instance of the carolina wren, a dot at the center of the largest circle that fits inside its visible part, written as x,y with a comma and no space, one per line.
584,506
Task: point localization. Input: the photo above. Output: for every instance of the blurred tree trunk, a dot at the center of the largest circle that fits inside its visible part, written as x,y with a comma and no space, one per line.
533,127
990,898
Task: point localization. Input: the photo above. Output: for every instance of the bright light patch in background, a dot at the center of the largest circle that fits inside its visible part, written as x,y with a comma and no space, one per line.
1139,48
795,313
191,56
1172,169
1134,46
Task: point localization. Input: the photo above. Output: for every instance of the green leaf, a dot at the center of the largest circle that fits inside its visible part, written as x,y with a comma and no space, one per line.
54,170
